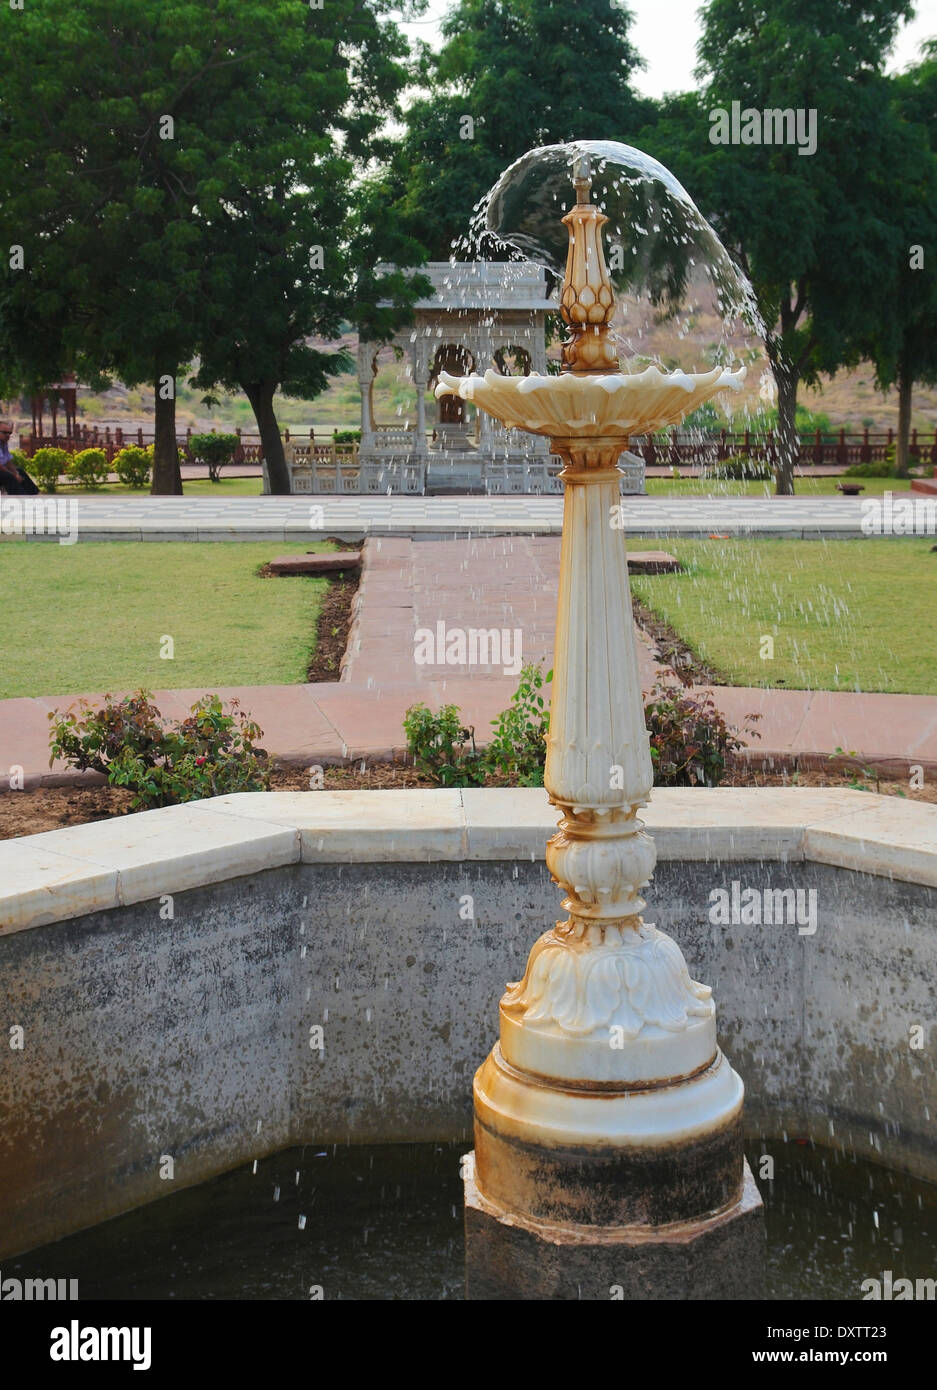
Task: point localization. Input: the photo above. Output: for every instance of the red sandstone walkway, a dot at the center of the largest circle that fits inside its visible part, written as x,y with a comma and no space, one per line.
505,582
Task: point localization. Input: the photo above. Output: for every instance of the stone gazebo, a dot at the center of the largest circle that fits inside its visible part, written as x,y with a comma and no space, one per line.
484,315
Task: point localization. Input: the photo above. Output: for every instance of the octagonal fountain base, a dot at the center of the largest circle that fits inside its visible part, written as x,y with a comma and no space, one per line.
513,1257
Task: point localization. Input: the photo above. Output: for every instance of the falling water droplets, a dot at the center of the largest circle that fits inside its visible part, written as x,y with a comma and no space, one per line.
681,300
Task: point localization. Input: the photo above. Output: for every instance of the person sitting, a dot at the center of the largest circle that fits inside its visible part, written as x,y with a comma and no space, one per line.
13,479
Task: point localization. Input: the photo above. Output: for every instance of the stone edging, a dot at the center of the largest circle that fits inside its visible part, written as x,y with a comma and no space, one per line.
69,873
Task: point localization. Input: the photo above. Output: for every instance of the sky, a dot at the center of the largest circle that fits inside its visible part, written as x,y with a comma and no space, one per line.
665,33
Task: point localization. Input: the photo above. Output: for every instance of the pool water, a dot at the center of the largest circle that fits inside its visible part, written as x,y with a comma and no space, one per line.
385,1222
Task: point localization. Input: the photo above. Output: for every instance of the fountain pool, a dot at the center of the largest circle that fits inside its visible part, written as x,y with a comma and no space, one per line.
385,1222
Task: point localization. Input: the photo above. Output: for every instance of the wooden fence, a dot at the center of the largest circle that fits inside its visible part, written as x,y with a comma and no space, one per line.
113,440
839,449
678,449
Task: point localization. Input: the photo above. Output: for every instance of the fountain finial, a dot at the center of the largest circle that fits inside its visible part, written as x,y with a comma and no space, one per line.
582,179
587,301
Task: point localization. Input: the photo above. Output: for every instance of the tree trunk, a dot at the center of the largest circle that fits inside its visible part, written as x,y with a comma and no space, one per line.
260,395
905,388
167,479
787,430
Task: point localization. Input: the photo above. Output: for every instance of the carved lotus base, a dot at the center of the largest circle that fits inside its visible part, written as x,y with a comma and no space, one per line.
608,1004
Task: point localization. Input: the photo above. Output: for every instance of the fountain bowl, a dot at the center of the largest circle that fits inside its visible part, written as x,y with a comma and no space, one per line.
591,407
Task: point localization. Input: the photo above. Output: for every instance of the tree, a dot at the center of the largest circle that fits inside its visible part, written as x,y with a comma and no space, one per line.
811,231
903,343
152,148
296,264
295,245
511,75
94,181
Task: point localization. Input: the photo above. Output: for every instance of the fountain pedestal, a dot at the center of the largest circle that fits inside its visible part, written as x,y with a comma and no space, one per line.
511,1257
608,1124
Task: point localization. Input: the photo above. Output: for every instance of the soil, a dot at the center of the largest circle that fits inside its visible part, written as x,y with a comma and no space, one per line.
671,650
332,631
51,808
334,617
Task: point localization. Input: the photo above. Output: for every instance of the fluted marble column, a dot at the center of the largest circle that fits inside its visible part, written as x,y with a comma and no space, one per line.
607,1062
599,774
366,368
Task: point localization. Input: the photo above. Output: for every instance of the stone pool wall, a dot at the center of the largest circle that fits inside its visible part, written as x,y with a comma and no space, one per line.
205,984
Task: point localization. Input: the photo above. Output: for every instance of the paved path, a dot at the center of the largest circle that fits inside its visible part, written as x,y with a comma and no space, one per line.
497,582
297,519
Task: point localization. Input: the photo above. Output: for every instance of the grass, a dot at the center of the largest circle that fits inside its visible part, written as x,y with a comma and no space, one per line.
803,487
843,615
91,617
656,487
201,487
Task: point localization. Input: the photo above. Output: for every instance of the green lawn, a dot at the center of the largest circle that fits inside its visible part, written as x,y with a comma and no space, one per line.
804,487
201,487
91,617
844,615
657,487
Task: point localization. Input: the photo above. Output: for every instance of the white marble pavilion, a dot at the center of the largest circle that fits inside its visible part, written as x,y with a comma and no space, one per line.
483,315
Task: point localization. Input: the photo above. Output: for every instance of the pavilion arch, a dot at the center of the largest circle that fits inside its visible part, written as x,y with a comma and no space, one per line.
457,360
480,316
513,360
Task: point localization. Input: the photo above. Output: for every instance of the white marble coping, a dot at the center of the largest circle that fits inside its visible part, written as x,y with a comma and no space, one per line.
81,869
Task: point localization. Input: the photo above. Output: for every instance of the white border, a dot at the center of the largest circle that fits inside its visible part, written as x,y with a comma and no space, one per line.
63,874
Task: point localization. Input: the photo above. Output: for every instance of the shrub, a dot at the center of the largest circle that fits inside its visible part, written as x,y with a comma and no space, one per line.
690,740
134,465
875,468
46,465
346,437
518,749
741,469
439,745
209,753
806,421
216,450
90,467
443,749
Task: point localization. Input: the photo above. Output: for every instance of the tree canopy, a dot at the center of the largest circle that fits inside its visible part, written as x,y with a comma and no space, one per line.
182,178
216,182
510,75
813,231
902,342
